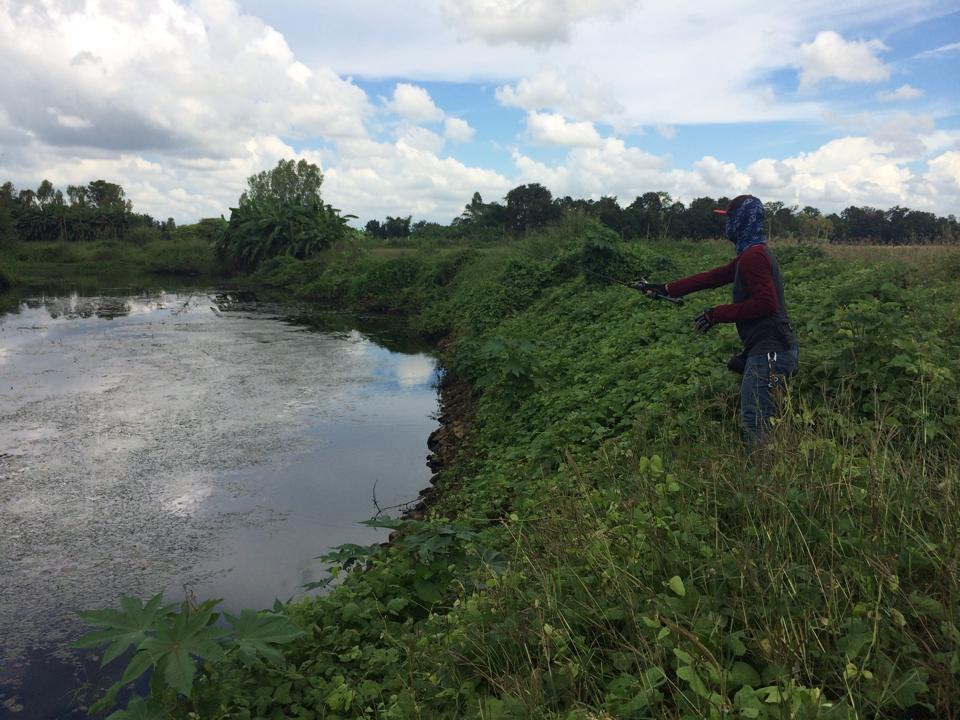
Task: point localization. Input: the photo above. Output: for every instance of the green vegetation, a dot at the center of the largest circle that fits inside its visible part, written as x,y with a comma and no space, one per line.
602,548
657,216
281,213
186,255
96,211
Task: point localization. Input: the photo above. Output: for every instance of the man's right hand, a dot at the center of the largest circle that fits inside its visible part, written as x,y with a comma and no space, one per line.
651,289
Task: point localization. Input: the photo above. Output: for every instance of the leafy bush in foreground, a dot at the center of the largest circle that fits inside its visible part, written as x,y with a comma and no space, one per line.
604,549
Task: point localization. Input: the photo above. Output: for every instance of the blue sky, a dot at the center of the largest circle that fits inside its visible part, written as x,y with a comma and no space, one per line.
409,107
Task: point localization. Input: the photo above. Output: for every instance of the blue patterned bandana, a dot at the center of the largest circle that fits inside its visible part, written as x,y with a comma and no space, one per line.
745,225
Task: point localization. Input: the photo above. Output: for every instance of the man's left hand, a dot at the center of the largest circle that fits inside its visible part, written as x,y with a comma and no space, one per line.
703,321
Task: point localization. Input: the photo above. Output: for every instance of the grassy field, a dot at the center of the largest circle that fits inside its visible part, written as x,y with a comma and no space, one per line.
107,263
603,547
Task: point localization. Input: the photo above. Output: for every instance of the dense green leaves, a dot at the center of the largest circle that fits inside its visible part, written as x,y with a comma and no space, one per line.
125,627
168,641
256,634
602,547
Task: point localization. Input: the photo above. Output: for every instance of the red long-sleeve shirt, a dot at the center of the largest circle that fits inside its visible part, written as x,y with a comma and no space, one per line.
756,274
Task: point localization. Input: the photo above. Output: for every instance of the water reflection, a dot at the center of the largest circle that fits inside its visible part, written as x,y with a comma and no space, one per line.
212,440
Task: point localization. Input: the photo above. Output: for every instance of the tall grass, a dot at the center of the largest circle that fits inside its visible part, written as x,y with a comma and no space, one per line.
819,579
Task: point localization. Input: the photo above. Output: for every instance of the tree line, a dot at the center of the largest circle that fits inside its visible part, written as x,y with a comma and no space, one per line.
282,211
658,215
98,210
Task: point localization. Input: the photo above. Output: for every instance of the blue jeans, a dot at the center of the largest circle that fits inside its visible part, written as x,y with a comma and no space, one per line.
758,401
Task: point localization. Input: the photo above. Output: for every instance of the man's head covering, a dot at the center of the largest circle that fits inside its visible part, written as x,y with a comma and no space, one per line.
744,222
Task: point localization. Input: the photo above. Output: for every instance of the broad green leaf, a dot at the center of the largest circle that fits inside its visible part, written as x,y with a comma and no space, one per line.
743,674
676,584
428,591
176,642
179,669
138,665
125,627
255,634
140,709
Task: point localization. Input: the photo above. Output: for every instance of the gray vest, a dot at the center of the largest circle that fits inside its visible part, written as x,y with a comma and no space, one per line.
771,333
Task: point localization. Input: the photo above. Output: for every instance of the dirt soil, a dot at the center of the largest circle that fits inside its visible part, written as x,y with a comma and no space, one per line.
457,413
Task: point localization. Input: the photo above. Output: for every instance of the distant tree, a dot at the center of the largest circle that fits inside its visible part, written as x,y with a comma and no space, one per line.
77,195
474,210
26,198
608,211
529,207
921,226
281,213
45,193
702,222
8,226
397,227
373,227
863,223
289,183
648,216
105,195
211,229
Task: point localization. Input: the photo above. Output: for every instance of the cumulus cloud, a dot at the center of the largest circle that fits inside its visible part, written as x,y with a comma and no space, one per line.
769,175
415,104
830,56
904,92
851,170
902,133
538,23
611,168
210,96
164,77
421,139
576,92
943,173
457,130
375,179
553,129
722,177
181,102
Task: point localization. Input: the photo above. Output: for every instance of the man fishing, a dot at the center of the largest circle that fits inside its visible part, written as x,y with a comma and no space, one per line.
770,350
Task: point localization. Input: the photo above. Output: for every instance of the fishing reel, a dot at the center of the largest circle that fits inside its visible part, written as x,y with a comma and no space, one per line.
655,291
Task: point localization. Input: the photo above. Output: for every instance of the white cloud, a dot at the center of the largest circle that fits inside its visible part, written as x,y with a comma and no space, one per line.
937,51
70,121
904,92
830,56
766,174
211,96
415,104
943,175
553,129
421,139
902,133
576,93
457,130
852,170
537,23
163,77
181,102
722,177
374,179
612,168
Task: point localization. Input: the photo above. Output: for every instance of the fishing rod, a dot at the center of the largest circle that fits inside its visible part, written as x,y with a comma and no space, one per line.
640,285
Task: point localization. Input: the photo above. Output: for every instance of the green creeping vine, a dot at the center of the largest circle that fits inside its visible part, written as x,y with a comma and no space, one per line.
166,640
603,548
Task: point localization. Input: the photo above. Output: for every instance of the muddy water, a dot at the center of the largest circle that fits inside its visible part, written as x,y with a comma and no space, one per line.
188,442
